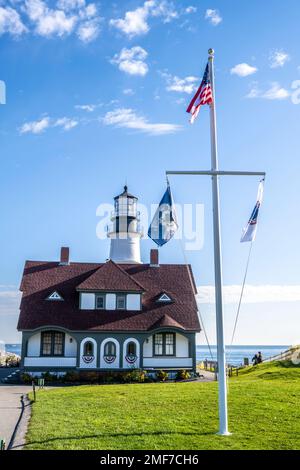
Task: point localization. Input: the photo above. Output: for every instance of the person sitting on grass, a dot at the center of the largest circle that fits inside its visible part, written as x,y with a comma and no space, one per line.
259,358
255,359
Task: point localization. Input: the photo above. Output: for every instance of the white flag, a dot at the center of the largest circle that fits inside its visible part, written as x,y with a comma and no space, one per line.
249,232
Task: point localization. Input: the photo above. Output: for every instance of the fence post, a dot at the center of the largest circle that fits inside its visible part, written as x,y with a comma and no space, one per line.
33,389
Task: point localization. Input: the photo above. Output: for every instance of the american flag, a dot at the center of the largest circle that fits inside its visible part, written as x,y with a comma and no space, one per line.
202,96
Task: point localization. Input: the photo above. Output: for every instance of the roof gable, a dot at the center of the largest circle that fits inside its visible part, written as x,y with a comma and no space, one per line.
110,277
166,322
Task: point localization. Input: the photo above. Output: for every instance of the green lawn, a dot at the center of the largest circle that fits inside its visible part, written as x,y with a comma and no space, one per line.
264,413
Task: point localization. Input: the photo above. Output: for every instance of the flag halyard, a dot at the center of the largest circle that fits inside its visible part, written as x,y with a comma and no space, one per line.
202,97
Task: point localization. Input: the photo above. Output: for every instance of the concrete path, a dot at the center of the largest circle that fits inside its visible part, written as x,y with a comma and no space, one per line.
10,408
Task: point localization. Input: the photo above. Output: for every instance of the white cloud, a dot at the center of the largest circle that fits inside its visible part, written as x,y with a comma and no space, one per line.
278,58
10,22
181,85
39,126
213,16
49,22
86,107
89,30
66,123
135,22
252,294
254,92
35,127
70,16
68,5
127,118
243,70
128,92
190,9
132,61
276,92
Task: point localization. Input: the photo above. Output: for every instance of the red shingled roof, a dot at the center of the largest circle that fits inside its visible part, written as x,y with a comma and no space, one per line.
110,277
40,279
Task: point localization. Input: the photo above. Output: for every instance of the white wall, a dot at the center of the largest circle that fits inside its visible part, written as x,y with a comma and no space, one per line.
168,362
110,301
34,345
147,350
87,301
70,347
182,346
133,302
50,361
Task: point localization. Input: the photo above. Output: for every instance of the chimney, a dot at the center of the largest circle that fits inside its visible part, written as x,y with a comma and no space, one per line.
154,258
64,255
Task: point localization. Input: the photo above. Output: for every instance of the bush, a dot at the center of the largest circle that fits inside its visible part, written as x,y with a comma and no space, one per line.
162,375
90,377
135,375
183,375
71,376
26,378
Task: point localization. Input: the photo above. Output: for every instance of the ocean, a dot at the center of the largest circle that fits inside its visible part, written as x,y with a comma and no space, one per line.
235,356
13,348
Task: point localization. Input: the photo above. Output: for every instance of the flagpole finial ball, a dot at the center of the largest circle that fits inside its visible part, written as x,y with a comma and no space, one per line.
211,52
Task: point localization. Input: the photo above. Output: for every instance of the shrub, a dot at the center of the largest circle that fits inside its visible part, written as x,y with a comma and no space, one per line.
135,375
71,376
162,375
91,377
26,378
183,375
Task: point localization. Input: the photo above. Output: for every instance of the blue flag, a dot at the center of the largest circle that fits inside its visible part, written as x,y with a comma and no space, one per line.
249,232
164,223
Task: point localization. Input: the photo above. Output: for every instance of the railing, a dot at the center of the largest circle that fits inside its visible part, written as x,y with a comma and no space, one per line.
283,356
125,212
131,228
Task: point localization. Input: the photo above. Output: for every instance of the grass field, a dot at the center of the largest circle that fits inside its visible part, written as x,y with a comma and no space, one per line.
264,413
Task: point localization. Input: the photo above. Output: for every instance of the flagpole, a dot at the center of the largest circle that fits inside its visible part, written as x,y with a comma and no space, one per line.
222,379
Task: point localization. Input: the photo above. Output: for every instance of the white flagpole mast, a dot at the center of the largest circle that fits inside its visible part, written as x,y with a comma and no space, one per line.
222,379
215,173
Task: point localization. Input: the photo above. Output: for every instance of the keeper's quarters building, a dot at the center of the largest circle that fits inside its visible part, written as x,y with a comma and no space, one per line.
116,315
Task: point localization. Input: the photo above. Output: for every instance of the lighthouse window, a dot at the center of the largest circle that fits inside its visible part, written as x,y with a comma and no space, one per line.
121,302
100,302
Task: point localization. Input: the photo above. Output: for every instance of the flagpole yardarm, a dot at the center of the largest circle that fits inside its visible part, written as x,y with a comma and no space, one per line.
221,353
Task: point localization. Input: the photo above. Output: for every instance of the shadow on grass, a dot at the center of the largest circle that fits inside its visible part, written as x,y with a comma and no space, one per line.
116,435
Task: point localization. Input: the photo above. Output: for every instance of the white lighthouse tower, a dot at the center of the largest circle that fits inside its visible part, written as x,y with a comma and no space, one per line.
124,232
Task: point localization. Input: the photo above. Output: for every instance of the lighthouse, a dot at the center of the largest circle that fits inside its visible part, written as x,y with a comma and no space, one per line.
124,232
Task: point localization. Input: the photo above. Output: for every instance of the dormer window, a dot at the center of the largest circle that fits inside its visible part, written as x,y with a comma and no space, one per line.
164,298
100,301
121,302
54,296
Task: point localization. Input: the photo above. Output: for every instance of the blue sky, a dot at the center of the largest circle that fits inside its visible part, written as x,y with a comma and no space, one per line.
96,96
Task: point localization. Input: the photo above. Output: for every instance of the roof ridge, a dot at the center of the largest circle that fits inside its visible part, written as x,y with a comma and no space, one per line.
127,274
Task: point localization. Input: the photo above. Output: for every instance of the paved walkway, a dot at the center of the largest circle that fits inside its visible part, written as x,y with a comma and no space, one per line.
10,408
